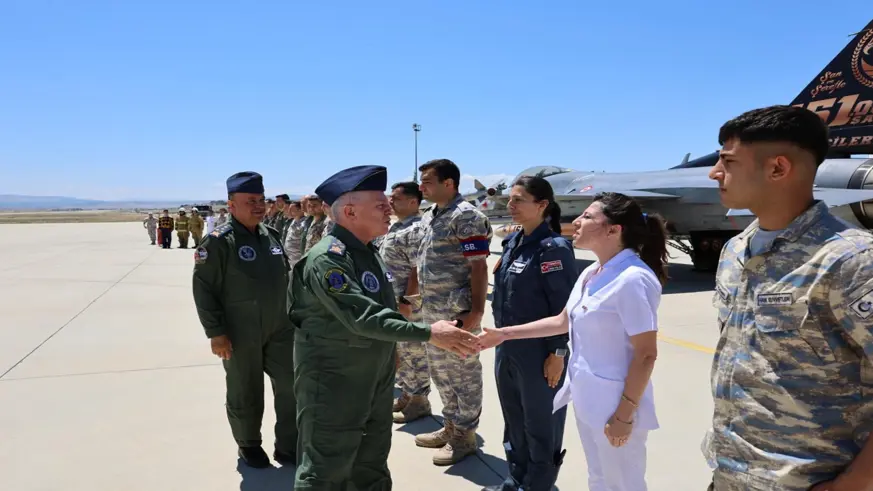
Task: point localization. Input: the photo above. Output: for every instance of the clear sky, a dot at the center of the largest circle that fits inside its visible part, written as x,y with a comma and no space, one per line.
163,99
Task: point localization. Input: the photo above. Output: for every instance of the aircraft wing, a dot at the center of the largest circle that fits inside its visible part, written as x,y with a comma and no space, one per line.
831,196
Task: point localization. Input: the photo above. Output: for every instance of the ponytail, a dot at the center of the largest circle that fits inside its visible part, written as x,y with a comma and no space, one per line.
653,247
553,215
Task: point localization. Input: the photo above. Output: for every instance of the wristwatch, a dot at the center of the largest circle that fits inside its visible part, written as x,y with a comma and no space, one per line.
561,352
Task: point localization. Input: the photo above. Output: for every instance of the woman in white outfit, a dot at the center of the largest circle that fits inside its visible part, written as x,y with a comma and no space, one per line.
612,320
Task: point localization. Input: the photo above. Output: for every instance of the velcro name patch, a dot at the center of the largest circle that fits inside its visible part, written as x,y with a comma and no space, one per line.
550,266
775,299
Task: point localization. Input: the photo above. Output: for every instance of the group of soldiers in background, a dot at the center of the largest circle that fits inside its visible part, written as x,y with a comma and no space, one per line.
186,226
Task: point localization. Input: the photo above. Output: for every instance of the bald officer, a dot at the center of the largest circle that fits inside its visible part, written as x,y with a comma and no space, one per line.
240,279
343,300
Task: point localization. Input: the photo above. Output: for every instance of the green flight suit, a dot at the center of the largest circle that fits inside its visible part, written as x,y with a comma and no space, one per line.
240,284
342,301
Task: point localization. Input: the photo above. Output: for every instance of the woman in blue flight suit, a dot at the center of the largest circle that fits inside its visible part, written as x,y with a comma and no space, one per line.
532,280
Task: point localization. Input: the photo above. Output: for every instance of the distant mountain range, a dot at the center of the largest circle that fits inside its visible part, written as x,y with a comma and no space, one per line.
21,202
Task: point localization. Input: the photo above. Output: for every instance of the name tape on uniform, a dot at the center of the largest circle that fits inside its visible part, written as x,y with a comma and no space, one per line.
549,266
775,299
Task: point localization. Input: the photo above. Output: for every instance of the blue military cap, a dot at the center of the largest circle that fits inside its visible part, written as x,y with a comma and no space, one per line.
245,182
360,178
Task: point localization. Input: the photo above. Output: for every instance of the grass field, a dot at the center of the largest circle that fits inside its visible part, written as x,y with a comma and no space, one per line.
98,216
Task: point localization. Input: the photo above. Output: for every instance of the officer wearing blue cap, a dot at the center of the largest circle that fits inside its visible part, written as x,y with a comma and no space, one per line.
342,299
240,279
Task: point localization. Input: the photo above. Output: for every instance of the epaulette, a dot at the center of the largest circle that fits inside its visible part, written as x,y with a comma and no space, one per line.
336,247
548,243
222,230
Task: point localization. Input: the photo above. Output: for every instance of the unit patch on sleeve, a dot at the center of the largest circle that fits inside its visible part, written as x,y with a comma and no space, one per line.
200,255
336,247
550,266
336,280
863,307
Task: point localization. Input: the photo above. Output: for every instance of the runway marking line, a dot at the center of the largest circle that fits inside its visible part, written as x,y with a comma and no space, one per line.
686,344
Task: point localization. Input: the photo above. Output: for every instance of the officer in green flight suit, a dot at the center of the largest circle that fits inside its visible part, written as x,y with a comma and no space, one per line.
342,300
240,283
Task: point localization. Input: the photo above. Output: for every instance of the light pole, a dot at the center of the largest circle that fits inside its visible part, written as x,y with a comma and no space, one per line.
415,129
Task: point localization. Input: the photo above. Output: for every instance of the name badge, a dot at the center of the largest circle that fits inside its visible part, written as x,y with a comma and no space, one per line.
775,299
517,266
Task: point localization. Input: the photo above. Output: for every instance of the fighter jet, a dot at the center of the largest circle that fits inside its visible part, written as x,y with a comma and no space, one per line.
842,94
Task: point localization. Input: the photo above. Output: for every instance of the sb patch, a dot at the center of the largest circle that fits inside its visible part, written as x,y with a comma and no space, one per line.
200,255
549,266
336,280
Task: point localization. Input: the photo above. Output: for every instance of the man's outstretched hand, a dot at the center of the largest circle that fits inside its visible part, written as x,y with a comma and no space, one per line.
444,334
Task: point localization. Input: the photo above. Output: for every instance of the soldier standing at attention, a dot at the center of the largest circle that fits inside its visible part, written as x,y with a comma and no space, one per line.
294,237
793,371
151,224
222,217
281,204
398,249
195,225
342,299
182,229
270,217
318,225
453,284
166,226
240,284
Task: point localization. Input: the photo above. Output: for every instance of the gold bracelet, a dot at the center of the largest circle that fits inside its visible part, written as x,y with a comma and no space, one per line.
623,422
632,403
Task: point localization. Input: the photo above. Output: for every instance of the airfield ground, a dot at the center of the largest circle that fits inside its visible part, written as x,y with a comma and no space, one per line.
84,216
107,382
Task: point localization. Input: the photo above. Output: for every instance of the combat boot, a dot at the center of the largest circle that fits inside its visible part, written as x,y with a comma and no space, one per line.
436,439
417,408
254,457
461,444
401,402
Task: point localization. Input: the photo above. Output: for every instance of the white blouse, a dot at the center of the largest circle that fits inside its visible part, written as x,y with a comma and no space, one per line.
607,306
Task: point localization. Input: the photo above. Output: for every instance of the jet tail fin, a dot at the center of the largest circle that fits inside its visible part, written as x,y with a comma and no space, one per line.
842,95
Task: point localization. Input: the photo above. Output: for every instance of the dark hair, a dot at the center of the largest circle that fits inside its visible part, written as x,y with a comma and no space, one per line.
409,189
644,233
541,190
784,124
294,203
444,169
283,196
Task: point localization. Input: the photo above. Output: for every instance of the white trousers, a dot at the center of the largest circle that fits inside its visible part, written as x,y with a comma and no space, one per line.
614,468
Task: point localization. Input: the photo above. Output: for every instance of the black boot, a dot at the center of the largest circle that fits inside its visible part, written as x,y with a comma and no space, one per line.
284,458
254,457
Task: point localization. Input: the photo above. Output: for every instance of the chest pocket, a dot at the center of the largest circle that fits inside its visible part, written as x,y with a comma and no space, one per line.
791,336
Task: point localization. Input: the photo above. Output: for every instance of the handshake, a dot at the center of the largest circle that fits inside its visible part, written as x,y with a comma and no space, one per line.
444,334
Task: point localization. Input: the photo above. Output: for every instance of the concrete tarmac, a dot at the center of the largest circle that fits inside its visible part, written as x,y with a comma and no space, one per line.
107,382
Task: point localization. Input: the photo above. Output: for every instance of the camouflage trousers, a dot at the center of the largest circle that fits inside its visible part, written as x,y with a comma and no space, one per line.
458,381
413,375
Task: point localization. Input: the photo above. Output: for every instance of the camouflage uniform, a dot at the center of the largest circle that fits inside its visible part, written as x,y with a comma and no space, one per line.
792,376
294,241
315,232
398,249
151,224
452,238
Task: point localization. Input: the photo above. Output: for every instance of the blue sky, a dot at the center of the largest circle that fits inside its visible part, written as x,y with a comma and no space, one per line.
164,99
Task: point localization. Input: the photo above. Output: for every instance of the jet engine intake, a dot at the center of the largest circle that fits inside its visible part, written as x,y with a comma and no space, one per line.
849,174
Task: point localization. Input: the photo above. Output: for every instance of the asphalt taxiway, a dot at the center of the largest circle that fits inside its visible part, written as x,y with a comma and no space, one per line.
107,382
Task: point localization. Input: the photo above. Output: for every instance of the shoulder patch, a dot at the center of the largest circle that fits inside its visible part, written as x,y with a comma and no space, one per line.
336,280
336,247
222,230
